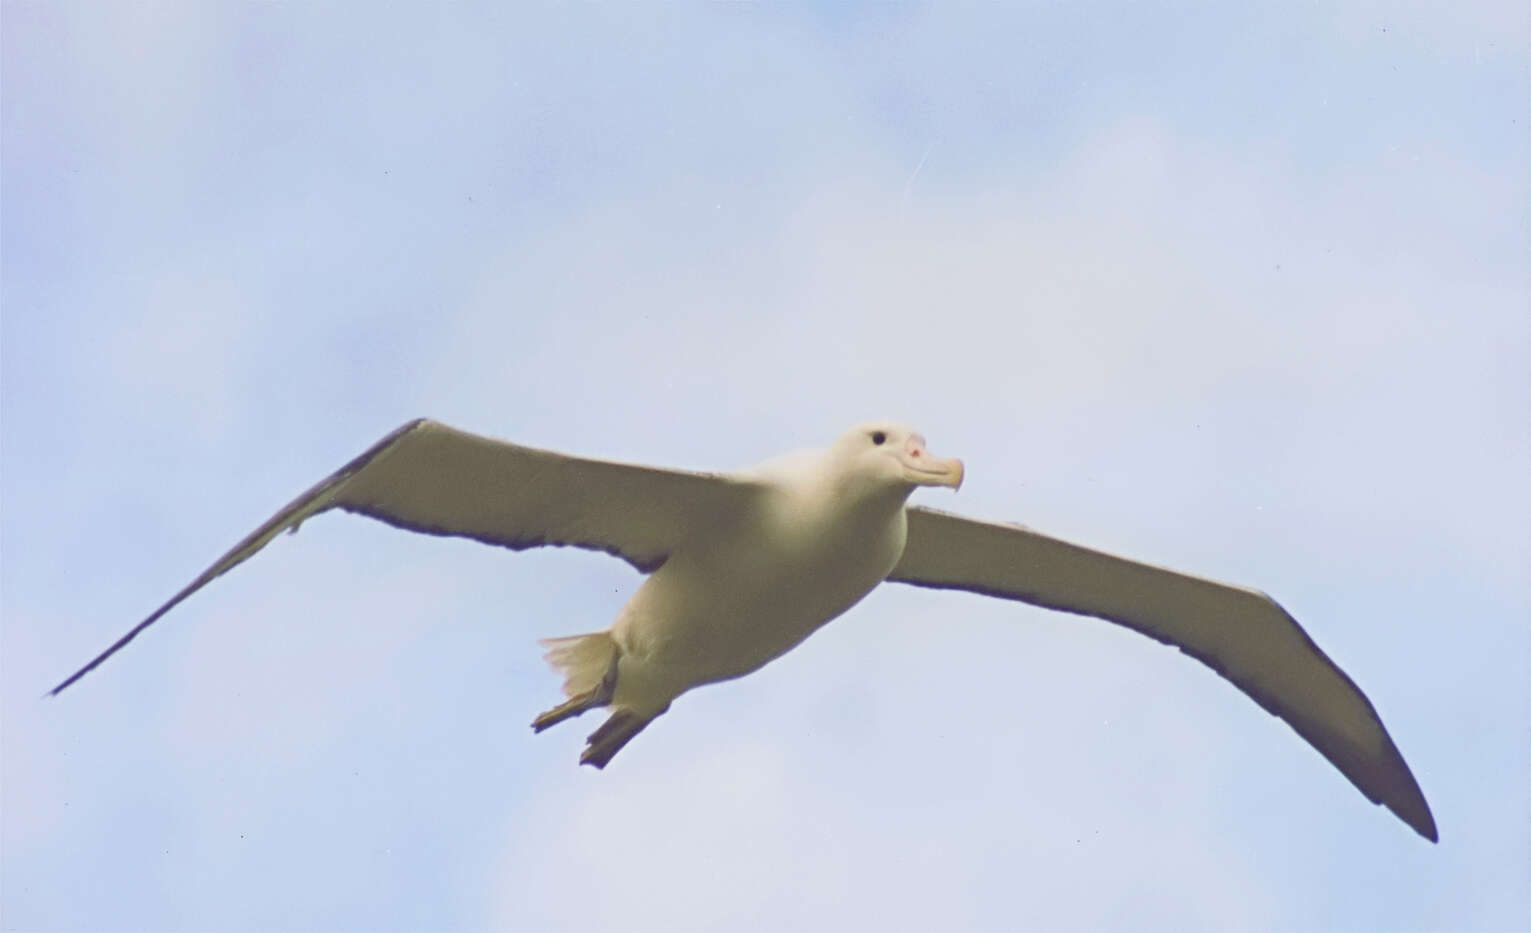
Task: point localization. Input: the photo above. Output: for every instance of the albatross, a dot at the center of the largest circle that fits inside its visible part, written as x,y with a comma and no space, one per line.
741,567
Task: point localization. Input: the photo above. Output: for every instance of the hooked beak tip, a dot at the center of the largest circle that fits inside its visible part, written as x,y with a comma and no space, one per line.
935,472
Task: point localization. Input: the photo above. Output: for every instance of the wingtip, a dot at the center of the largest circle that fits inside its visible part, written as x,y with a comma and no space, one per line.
1422,822
1408,804
1427,830
66,683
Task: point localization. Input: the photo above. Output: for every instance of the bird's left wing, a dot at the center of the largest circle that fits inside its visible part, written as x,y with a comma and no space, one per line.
1242,634
432,478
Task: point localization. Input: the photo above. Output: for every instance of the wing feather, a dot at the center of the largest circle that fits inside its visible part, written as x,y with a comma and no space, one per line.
431,478
1242,634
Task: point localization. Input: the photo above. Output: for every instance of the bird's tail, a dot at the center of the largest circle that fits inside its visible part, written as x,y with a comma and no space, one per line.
583,660
588,664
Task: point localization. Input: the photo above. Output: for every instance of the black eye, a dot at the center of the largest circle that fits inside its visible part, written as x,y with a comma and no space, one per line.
878,437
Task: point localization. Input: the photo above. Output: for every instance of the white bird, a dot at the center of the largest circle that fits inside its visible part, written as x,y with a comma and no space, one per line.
743,566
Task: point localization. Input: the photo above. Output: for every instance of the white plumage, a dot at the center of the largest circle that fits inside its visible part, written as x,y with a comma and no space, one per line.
743,566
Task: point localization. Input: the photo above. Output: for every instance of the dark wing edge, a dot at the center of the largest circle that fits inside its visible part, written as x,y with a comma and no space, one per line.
315,500
1010,562
431,478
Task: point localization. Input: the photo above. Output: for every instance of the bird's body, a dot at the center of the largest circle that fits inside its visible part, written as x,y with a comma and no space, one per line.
810,536
742,567
741,595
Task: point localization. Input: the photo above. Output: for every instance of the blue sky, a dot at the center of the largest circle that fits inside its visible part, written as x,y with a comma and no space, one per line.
1242,290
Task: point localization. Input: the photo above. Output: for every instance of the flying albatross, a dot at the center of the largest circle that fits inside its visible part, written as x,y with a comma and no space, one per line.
743,566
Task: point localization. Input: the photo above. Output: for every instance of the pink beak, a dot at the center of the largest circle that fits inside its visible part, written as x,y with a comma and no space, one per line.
924,470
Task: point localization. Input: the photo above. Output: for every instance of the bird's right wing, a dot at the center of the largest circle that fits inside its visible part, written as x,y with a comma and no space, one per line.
435,479
1242,634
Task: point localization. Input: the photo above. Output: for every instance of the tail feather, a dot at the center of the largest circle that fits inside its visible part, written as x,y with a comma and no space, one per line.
585,661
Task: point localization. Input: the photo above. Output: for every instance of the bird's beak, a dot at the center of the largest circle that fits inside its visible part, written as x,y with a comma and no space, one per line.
922,469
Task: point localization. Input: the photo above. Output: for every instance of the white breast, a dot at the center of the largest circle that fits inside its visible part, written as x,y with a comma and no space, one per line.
746,594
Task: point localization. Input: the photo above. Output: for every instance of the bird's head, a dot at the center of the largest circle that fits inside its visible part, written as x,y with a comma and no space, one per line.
893,455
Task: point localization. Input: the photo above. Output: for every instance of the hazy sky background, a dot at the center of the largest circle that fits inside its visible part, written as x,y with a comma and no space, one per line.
1240,289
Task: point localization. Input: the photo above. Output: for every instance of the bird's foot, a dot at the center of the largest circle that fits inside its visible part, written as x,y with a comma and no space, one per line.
614,733
599,695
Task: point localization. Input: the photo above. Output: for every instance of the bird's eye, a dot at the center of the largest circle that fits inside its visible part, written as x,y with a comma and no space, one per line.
878,437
